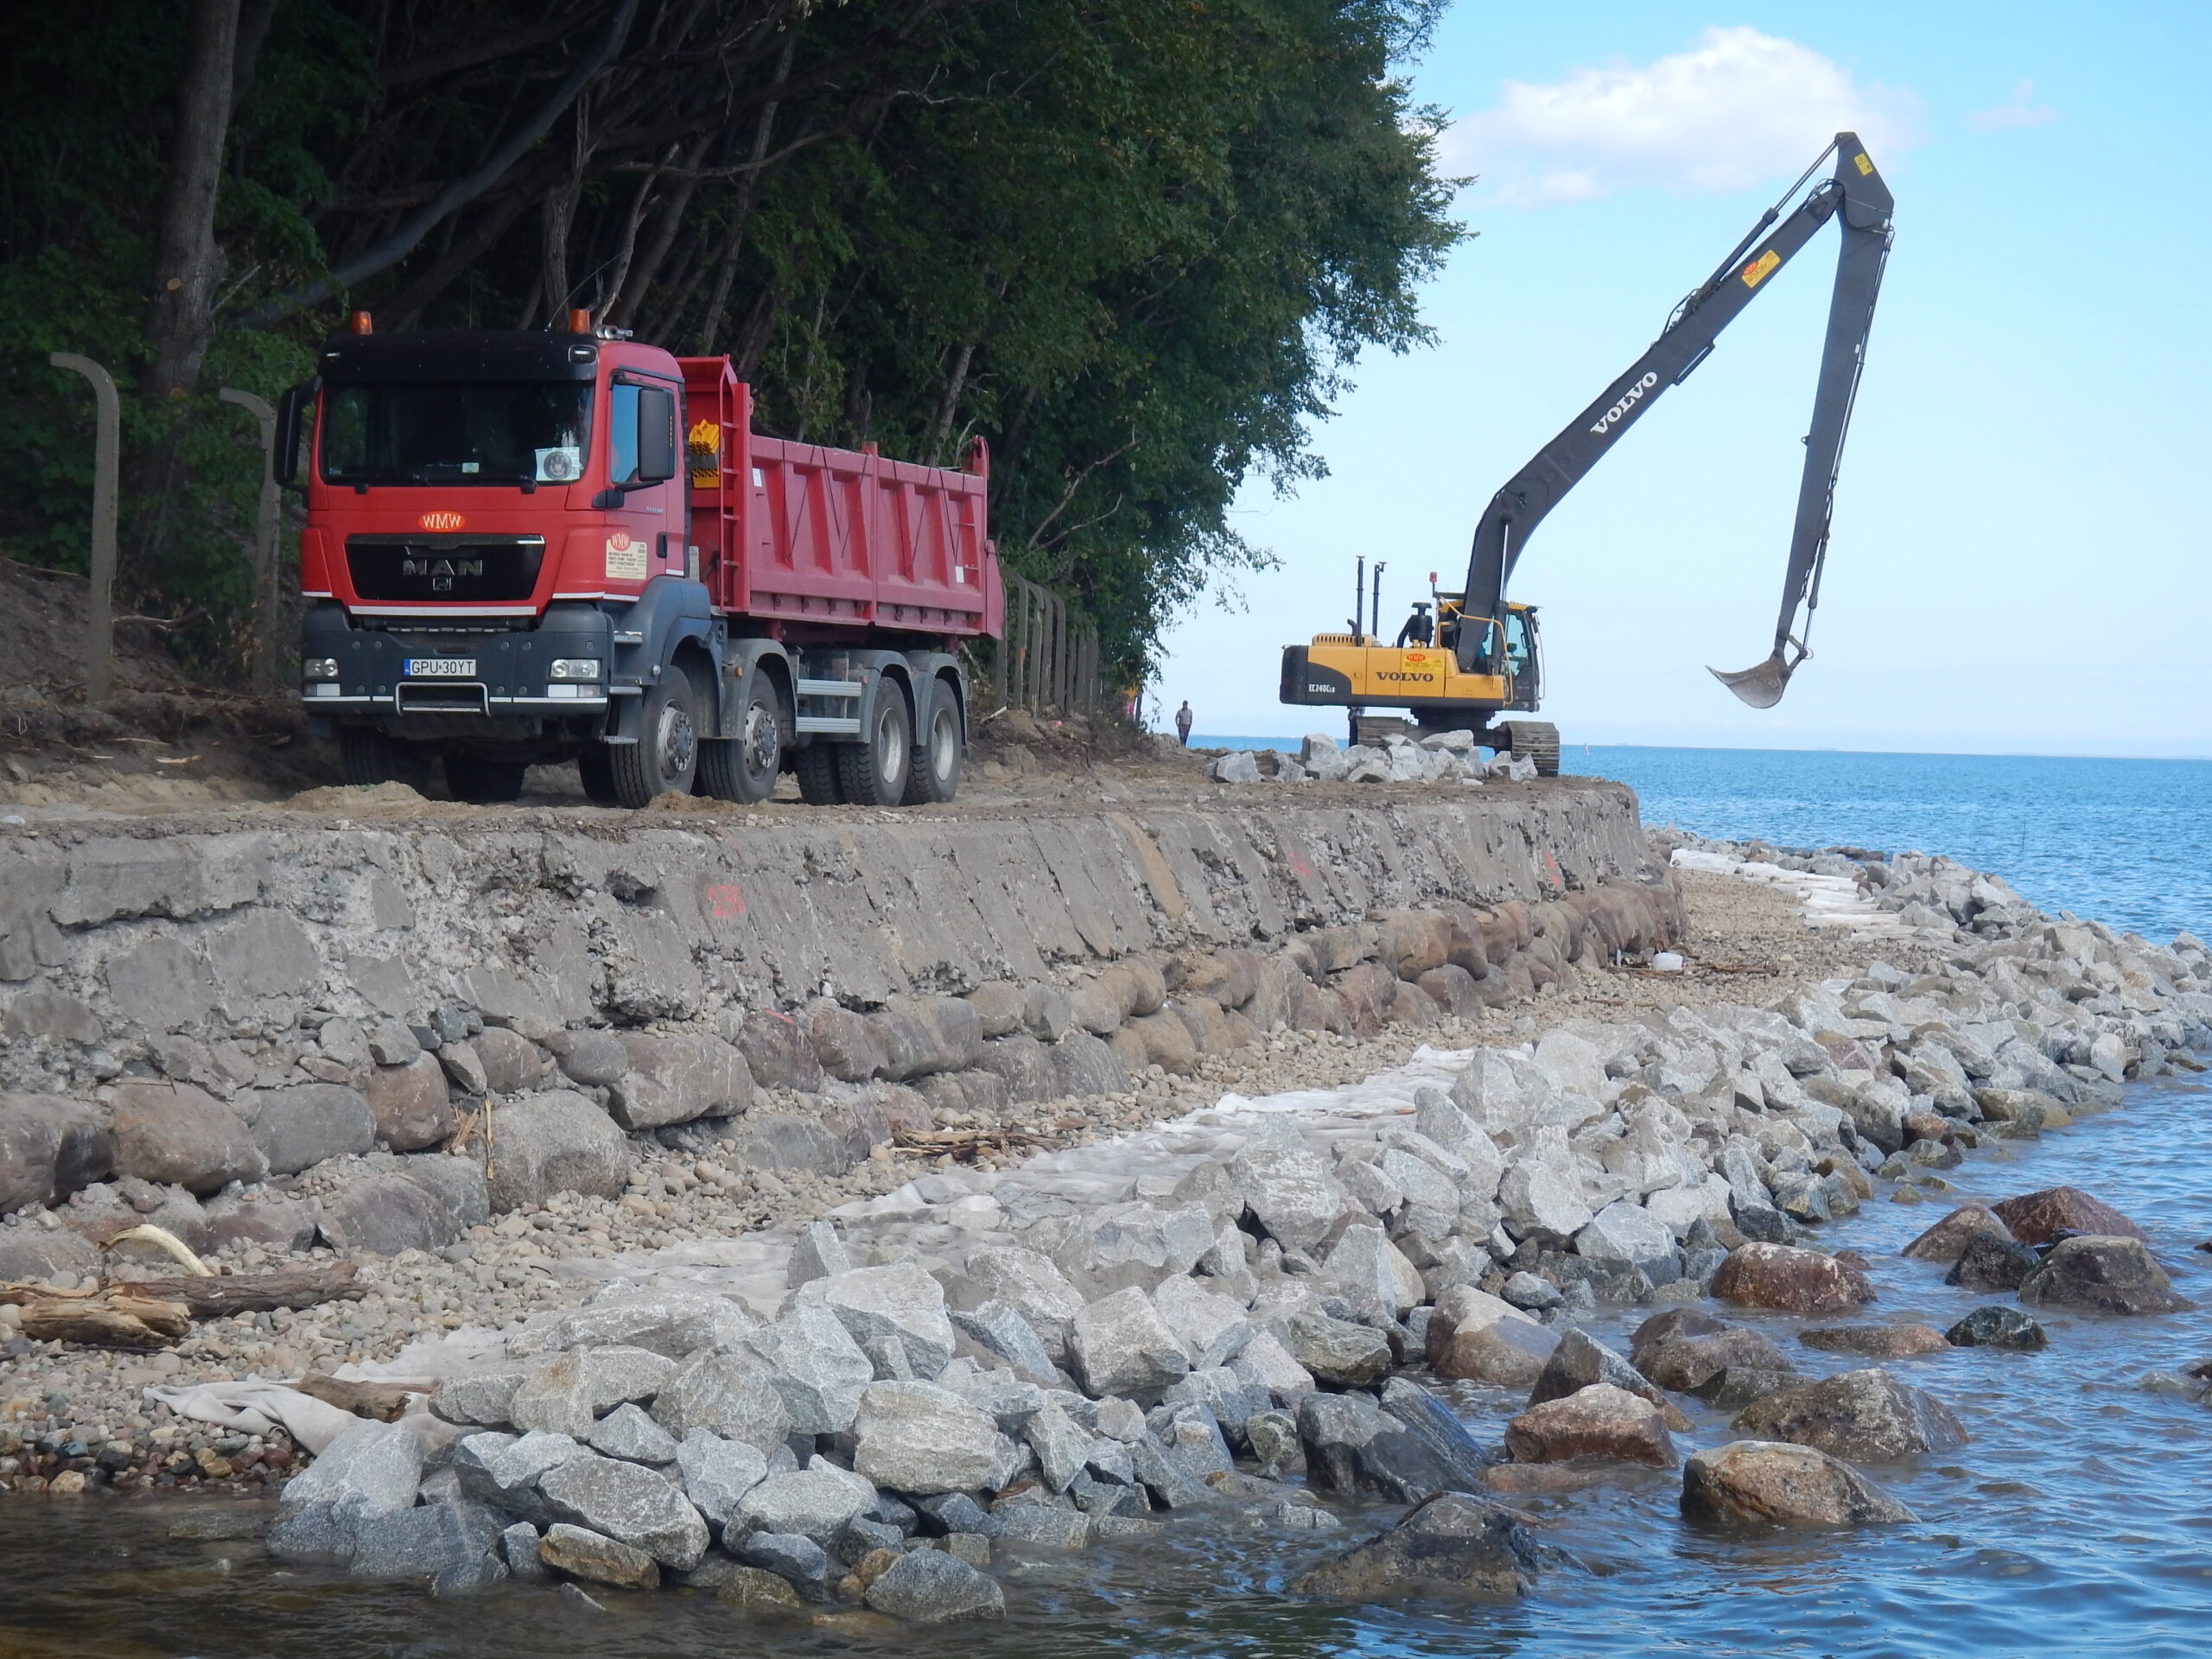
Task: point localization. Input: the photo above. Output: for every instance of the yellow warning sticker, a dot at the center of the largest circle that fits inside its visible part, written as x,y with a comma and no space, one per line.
626,557
1865,166
1757,270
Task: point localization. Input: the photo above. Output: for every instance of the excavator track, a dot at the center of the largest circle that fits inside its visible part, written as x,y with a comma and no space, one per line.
1536,741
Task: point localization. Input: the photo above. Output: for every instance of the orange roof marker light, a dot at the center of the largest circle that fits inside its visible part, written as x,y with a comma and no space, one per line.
580,322
360,323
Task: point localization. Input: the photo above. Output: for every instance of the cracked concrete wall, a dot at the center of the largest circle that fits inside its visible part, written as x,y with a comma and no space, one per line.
142,932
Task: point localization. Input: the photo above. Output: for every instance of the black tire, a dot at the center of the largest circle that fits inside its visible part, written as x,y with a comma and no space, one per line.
481,781
666,758
595,767
366,755
816,768
940,748
743,768
874,771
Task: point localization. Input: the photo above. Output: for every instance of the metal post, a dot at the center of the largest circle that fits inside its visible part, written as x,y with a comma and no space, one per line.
100,606
266,602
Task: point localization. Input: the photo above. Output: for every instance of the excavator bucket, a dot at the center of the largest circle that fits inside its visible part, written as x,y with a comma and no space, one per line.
1762,684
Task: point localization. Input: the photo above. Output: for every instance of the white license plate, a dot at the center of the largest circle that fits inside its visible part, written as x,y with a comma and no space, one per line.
441,668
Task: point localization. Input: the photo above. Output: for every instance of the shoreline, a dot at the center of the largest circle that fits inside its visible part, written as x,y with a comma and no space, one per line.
1967,960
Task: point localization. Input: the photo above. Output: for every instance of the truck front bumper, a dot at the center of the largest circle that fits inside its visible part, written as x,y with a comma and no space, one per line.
510,675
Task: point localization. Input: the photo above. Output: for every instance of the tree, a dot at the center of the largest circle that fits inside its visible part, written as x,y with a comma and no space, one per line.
1136,245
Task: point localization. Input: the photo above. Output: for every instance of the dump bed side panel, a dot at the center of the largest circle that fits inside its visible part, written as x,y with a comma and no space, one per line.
804,535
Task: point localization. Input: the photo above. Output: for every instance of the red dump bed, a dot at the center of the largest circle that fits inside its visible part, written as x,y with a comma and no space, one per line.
802,535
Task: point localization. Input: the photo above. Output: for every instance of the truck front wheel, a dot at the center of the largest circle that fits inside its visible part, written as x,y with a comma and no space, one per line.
874,771
666,758
481,781
367,756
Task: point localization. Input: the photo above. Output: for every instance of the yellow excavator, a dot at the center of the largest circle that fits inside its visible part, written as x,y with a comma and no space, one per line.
1463,659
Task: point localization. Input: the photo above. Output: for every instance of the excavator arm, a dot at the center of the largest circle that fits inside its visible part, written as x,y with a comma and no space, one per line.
1856,196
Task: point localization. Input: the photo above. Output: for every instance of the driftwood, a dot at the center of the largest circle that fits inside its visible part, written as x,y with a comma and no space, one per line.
381,1400
260,1293
153,1312
107,1319
964,1144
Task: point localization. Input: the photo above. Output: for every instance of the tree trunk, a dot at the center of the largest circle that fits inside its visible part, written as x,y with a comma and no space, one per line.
187,262
748,194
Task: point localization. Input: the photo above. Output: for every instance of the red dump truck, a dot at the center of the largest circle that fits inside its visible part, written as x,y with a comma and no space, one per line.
530,547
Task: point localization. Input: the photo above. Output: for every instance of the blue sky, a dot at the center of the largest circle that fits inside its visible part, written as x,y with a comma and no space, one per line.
2019,560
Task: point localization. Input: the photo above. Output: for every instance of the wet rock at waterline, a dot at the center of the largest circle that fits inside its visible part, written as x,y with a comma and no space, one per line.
1787,1280
1600,1421
2036,1217
1580,1360
1988,1262
1949,1237
1777,1483
1877,1341
1868,1416
1996,1326
2111,1274
933,1586
1454,1542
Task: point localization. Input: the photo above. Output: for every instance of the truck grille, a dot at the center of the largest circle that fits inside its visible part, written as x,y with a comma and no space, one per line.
459,568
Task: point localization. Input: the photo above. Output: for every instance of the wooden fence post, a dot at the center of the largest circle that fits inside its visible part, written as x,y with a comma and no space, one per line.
99,631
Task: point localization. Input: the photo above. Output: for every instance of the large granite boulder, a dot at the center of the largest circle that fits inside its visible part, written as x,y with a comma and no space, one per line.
1789,1281
1866,1416
1775,1484
1600,1421
1455,1542
555,1141
2113,1274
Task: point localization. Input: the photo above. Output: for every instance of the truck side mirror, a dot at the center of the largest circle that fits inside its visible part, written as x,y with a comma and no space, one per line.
656,436
291,417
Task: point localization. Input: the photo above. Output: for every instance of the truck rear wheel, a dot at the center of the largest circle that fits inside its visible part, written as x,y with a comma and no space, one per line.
935,775
743,768
816,768
666,758
481,781
874,771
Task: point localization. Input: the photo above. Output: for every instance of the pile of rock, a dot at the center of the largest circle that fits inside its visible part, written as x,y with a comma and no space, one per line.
1439,758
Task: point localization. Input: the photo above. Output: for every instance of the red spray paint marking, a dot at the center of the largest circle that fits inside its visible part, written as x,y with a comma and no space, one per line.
1551,870
726,901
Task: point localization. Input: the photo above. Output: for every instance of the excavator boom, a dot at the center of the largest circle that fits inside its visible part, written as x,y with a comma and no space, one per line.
1855,195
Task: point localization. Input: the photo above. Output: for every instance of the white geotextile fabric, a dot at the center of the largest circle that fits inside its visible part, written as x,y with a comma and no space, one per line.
255,1407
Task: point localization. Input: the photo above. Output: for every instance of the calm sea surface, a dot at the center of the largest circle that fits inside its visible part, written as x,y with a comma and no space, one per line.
2128,842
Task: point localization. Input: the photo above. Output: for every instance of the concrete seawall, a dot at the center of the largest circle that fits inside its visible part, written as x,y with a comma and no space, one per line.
112,936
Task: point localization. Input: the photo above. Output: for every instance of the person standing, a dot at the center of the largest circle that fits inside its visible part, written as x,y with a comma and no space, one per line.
1183,718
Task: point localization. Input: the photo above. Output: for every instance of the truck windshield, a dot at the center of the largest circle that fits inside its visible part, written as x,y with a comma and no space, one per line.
475,434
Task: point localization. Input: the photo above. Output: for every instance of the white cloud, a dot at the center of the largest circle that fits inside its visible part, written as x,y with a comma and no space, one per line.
1738,108
2019,111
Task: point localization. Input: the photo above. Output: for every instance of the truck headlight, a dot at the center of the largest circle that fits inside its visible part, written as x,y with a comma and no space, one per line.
319,668
575,668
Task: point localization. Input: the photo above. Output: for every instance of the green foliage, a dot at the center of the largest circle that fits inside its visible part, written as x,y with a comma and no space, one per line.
1134,246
